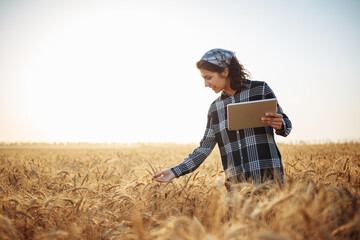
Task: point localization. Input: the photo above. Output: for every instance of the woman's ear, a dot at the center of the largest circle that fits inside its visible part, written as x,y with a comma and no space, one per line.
225,73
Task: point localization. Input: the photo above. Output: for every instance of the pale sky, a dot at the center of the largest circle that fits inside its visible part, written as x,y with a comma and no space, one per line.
124,71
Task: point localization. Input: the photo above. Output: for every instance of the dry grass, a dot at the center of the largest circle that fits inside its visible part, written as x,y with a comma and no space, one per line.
103,193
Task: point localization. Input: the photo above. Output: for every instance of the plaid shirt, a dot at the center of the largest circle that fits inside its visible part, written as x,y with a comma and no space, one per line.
247,153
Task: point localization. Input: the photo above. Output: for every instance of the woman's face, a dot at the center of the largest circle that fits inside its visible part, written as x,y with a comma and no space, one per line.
216,81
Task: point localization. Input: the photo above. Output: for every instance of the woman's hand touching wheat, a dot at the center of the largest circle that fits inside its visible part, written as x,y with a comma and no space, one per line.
164,176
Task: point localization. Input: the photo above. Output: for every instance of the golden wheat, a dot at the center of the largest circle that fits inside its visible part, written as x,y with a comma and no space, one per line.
107,193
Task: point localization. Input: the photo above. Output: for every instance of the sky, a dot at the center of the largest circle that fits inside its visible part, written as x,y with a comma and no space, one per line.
124,71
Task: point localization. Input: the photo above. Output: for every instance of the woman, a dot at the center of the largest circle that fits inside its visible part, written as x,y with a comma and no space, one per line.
249,154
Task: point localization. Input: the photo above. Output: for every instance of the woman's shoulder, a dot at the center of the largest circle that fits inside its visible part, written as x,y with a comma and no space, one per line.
255,83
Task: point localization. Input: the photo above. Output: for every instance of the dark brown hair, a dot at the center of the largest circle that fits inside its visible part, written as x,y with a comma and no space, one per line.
237,72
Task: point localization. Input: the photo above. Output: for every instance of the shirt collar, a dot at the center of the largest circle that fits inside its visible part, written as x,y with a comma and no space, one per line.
245,84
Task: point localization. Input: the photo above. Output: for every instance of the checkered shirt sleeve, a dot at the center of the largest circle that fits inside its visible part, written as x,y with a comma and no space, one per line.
194,160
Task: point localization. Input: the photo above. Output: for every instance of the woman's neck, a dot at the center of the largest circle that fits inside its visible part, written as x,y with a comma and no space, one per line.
228,89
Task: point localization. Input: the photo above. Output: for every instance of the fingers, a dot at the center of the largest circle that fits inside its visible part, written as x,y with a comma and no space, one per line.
274,120
158,174
274,115
271,121
161,179
164,176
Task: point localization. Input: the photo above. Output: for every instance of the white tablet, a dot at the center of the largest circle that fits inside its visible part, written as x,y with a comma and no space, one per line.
248,114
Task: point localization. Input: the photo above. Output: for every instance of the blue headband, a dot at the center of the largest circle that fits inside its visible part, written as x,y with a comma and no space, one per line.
219,57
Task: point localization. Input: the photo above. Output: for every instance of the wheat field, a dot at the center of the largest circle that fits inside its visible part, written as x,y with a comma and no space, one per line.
67,192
